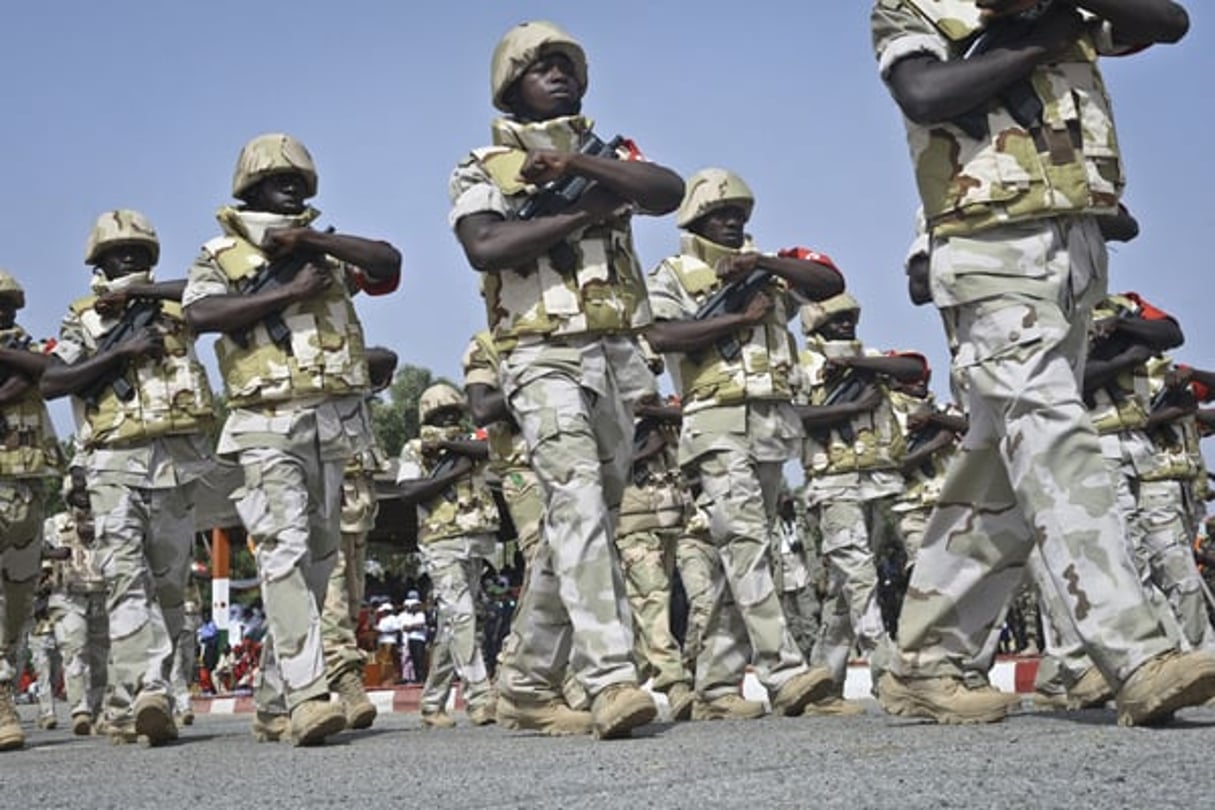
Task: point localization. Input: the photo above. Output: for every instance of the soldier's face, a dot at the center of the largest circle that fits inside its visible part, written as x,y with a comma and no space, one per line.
448,417
282,193
8,312
840,327
549,88
122,260
725,226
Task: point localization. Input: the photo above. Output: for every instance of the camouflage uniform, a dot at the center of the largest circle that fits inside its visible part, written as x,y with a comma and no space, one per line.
185,655
47,662
922,486
795,572
1017,264
457,532
295,419
569,368
144,457
700,571
78,612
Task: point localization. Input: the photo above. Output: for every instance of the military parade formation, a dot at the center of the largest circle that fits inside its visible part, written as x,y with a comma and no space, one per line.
1066,475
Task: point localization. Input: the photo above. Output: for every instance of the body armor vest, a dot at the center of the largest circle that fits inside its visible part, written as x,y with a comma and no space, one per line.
1122,404
464,509
79,573
28,447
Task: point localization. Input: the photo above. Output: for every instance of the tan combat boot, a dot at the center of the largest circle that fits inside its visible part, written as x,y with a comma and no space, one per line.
268,727
314,720
813,684
1165,684
680,697
619,709
47,722
482,714
437,719
82,724
360,711
11,735
552,717
1092,691
945,700
154,718
833,706
727,707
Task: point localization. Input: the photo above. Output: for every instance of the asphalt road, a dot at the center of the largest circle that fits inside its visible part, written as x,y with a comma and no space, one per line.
1078,759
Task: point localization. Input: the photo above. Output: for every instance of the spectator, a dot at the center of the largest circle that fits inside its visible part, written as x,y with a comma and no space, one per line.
413,628
389,637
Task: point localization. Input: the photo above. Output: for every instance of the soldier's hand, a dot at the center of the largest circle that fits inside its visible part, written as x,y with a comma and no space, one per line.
111,304
1178,376
283,241
1057,30
310,282
869,399
148,342
545,166
758,308
731,268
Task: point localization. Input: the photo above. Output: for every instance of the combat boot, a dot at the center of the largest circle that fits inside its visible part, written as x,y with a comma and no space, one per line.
482,714
268,727
1165,684
945,700
360,711
82,724
680,697
619,709
806,687
154,718
185,718
1092,691
833,706
314,720
553,717
727,707
47,722
11,735
437,719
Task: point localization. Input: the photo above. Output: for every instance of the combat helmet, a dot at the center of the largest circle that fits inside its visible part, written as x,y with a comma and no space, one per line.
120,227
710,189
438,397
817,313
268,154
9,288
521,47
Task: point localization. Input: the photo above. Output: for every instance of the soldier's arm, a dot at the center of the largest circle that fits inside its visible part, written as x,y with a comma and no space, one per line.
61,379
1172,412
951,422
377,258
654,189
901,367
477,449
1204,378
926,451
1158,334
415,490
693,335
486,403
654,444
816,280
1141,22
27,364
15,389
381,365
233,312
820,416
663,413
1206,418
1098,373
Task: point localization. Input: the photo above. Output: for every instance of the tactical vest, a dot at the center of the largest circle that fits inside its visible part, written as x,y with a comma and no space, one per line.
878,442
1122,404
28,447
922,485
80,572
1069,165
507,448
655,498
1177,456
763,369
465,508
172,394
590,284
326,354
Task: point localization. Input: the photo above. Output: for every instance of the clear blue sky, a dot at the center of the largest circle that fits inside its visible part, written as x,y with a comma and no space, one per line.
146,105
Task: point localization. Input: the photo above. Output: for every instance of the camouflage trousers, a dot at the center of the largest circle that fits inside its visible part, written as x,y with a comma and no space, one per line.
21,514
454,566
82,634
185,661
143,546
738,495
347,581
48,666
852,531
290,505
648,559
698,563
1030,472
913,523
569,401
802,610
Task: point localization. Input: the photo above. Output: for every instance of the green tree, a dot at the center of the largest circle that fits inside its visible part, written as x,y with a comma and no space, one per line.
394,414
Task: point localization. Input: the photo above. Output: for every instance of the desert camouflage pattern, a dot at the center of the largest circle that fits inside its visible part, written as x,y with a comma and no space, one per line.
596,290
678,286
272,153
173,394
11,288
80,572
1124,403
22,503
1070,165
82,635
47,664
327,348
523,45
697,560
481,363
922,485
454,565
347,582
656,498
121,227
1030,472
185,650
796,571
1175,454
29,447
815,314
467,507
711,189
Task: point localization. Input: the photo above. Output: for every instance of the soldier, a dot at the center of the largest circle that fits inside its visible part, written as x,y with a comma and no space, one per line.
344,660
443,473
295,376
45,658
185,655
564,295
77,604
143,407
795,572
733,367
852,457
1015,155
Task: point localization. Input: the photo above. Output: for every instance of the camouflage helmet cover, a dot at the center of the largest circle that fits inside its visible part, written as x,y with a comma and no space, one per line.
816,314
120,227
710,189
9,288
438,397
521,46
272,153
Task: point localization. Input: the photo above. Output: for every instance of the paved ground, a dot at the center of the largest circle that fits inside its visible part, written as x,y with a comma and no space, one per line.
1078,759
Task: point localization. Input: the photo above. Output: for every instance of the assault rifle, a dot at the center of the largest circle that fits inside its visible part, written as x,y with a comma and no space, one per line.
730,299
847,390
272,276
555,197
16,344
139,315
443,467
641,437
